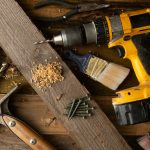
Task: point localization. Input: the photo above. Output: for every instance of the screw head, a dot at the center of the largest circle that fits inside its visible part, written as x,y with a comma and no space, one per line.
33,141
12,123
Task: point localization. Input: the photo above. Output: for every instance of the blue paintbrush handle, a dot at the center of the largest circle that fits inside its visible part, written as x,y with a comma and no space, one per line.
80,60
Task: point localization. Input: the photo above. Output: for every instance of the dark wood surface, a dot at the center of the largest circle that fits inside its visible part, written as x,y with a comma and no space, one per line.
37,114
17,35
40,117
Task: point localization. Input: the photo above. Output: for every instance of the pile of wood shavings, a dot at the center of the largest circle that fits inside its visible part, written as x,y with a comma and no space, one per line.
44,75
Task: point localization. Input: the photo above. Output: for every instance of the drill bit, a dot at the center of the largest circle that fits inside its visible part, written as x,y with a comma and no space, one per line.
43,41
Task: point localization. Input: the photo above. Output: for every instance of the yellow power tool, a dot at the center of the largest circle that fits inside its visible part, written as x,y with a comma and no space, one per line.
129,32
133,105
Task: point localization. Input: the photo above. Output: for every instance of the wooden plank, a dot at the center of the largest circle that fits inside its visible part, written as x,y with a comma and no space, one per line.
17,35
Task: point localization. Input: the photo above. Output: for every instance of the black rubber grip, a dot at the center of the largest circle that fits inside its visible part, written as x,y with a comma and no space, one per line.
142,44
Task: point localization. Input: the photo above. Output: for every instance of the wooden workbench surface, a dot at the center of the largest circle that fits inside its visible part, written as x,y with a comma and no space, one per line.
31,108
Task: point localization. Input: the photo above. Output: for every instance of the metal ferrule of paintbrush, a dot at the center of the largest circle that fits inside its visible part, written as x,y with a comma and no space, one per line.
109,74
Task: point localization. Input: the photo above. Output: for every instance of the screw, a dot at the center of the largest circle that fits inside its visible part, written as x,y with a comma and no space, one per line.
71,108
82,111
81,105
87,108
86,98
83,115
12,123
76,107
33,141
80,115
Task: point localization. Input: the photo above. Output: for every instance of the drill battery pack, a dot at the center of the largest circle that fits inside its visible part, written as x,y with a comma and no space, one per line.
133,113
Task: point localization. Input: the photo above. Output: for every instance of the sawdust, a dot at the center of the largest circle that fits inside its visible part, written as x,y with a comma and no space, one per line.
44,75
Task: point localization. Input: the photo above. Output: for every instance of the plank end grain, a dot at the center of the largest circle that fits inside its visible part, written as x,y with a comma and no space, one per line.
17,35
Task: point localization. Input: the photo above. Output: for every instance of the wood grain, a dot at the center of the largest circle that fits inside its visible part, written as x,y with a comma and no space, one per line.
8,141
17,35
26,134
41,118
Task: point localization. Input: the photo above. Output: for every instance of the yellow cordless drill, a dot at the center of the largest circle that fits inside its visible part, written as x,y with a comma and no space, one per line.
133,105
129,32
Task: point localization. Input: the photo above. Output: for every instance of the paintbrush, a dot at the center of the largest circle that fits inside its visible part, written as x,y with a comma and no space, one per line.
107,73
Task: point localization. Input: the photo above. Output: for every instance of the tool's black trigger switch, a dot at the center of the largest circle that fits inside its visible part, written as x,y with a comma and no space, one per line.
121,51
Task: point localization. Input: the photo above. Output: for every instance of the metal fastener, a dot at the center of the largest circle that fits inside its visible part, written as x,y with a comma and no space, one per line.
33,141
75,109
12,123
83,102
86,108
71,108
82,111
81,106
83,115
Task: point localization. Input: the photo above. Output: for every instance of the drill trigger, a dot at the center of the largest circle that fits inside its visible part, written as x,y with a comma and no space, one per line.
121,51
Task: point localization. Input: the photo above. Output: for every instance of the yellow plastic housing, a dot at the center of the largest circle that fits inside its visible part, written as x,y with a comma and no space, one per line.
142,91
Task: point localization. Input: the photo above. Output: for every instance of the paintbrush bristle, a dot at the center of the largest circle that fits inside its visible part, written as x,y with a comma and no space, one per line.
109,74
113,75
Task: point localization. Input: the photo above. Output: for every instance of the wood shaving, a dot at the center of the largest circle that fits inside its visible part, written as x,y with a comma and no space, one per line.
44,75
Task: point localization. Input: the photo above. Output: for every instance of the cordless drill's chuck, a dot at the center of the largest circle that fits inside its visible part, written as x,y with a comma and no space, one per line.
93,32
